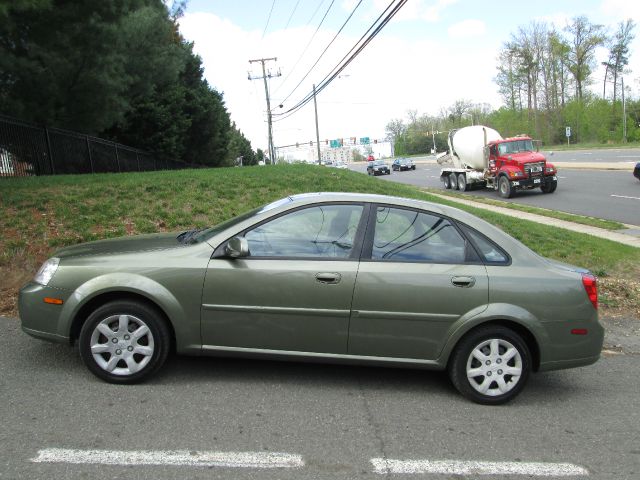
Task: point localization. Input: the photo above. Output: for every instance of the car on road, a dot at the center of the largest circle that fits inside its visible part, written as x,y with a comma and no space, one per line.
378,167
636,171
341,165
401,164
336,277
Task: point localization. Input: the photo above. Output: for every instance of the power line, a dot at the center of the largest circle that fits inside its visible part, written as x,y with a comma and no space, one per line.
268,19
324,51
377,26
291,16
308,44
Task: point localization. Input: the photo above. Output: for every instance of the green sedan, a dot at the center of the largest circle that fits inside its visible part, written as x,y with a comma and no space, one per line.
337,277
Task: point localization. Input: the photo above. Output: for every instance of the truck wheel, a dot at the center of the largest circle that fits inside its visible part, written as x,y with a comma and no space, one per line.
462,182
446,181
549,187
453,179
504,187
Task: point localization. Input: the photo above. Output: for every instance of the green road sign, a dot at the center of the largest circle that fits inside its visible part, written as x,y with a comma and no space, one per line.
364,141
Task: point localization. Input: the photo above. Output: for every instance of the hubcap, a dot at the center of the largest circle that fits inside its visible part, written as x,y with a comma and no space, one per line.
122,344
494,367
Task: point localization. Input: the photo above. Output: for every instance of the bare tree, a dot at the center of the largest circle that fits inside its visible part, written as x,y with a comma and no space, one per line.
585,37
618,46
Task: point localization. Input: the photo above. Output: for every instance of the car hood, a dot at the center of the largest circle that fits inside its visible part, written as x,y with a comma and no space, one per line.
136,243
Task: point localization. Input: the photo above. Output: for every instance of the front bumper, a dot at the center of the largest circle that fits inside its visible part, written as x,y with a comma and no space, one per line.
533,182
40,319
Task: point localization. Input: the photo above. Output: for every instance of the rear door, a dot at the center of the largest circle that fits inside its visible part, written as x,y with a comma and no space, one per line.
418,275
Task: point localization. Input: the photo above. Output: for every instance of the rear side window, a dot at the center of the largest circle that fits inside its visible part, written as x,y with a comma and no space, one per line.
489,251
411,236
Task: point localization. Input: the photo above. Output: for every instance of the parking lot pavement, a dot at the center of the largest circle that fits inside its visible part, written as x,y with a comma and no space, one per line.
225,418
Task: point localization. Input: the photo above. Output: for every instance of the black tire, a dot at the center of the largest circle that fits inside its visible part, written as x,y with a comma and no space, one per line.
462,182
446,182
453,179
464,360
124,358
504,187
413,167
549,187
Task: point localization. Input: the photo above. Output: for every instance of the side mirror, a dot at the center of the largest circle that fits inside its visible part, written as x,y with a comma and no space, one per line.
237,247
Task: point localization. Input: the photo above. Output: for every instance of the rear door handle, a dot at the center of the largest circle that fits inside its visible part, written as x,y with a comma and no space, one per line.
463,282
330,278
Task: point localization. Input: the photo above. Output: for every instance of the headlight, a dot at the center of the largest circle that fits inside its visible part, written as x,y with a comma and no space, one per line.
48,268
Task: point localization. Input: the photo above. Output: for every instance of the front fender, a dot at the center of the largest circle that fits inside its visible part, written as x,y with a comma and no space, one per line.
493,312
187,334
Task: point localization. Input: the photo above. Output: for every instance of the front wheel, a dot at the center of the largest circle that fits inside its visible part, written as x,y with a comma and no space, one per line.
505,188
124,342
549,187
490,365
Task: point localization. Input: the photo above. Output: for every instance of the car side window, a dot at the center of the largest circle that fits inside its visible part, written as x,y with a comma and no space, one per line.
410,236
325,231
489,251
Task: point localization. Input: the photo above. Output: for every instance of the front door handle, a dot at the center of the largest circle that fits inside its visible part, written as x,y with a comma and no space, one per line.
463,282
330,278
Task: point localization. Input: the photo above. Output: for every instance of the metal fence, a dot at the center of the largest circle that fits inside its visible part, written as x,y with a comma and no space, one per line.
27,149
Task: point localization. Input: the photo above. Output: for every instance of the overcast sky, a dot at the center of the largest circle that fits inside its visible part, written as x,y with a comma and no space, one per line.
431,54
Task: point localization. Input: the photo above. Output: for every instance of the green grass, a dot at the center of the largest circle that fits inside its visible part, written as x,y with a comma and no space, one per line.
40,214
569,217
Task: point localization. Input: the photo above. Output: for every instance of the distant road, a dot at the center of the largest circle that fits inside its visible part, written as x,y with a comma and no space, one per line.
631,155
612,195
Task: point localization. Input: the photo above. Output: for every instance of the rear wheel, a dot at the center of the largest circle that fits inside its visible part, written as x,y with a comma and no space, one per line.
462,182
490,365
454,181
124,342
549,187
446,182
504,187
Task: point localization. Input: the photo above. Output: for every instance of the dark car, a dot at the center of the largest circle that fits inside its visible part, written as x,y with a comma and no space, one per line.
401,164
378,167
636,171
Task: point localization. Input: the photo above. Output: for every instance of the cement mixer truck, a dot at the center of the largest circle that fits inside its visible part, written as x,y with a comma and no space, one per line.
481,157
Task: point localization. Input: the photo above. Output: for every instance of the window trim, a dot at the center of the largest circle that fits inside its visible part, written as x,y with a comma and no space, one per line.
356,251
367,249
485,262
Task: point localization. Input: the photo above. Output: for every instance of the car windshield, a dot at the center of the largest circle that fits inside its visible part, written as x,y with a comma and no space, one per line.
404,160
515,146
378,163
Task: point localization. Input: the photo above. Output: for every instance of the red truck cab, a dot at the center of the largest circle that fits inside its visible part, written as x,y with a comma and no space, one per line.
516,164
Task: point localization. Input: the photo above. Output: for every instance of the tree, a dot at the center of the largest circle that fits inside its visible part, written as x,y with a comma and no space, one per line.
585,37
618,46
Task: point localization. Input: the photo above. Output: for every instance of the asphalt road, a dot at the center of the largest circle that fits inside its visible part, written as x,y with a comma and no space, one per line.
608,194
631,155
328,422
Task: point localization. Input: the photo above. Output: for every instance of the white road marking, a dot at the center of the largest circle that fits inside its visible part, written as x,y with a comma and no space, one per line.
623,196
455,467
171,457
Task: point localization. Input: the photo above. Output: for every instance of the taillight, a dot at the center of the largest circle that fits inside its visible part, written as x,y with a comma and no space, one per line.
591,287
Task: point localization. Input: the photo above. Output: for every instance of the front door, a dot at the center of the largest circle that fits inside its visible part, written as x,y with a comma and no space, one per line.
294,291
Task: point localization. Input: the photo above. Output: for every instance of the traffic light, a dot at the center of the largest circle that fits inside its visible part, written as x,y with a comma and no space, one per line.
375,140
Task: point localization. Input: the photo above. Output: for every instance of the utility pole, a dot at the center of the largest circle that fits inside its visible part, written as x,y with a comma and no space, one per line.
272,151
315,106
624,114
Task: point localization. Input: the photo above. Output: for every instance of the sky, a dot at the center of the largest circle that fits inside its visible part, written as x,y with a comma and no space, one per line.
432,53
